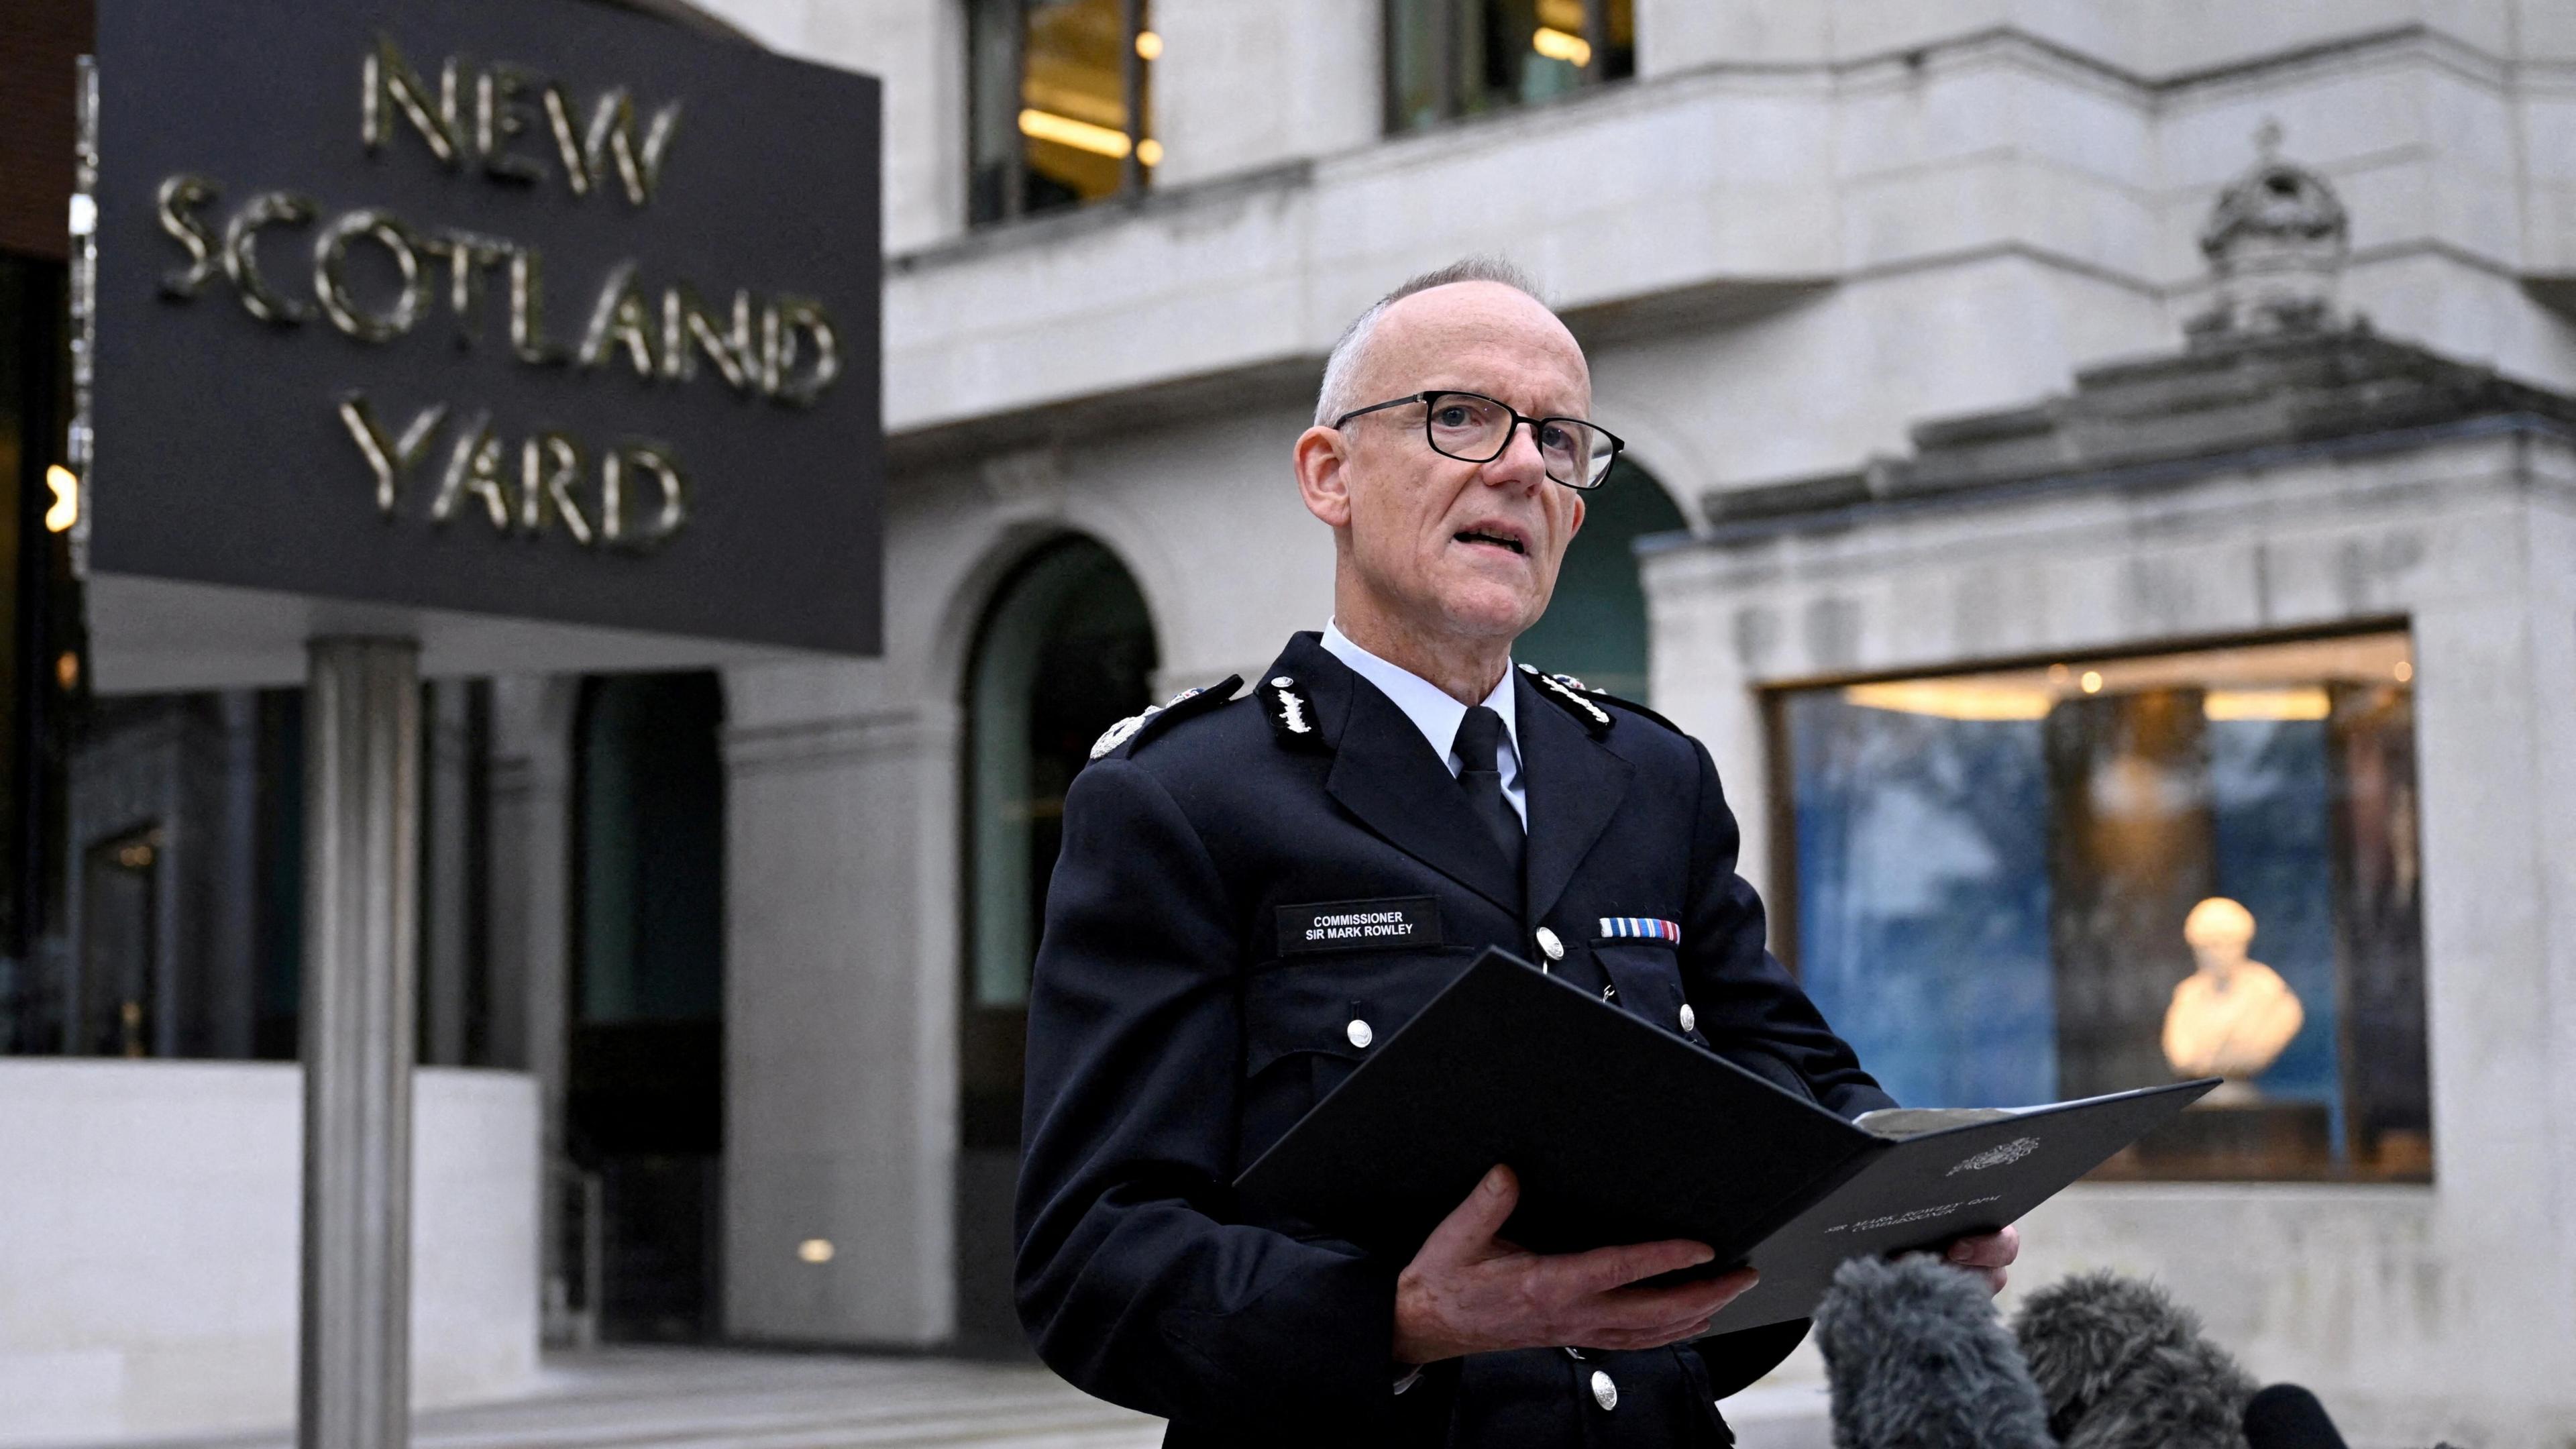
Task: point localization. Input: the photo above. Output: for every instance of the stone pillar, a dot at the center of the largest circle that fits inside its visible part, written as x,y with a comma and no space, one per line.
841,920
530,922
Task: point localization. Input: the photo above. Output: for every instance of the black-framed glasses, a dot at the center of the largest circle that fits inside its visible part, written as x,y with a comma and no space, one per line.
1474,428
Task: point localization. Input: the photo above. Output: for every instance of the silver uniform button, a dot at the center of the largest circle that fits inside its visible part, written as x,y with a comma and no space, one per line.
1604,1392
1283,682
1690,1018
1359,1033
1549,946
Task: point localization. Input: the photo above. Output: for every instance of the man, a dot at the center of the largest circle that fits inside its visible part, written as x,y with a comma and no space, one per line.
1397,766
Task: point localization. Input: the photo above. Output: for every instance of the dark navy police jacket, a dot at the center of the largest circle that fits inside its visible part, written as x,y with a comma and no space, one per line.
1171,1040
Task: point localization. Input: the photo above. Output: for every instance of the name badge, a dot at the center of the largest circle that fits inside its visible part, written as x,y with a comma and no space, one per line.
1359,925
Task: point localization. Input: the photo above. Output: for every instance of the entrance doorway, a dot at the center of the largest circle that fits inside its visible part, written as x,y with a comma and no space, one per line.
644,1069
1066,650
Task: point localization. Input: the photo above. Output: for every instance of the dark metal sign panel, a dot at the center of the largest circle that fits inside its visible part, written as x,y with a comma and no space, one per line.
544,311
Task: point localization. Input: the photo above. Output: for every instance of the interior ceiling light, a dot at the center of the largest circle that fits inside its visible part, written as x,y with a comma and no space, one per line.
1953,699
1081,135
64,511
1149,46
1556,44
2310,702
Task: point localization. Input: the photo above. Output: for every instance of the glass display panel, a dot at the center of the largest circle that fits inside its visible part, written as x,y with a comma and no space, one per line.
2019,886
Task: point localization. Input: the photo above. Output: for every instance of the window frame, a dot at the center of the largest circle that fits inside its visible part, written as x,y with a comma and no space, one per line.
1134,177
1446,48
1781,893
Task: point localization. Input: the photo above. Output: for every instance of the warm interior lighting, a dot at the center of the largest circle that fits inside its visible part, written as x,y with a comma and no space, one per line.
2404,671
1952,699
1149,46
1149,152
1556,44
2092,681
64,511
67,671
1066,131
815,1250
2297,703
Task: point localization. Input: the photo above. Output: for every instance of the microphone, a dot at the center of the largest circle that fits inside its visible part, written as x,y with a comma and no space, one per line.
2120,1365
2286,1416
1916,1359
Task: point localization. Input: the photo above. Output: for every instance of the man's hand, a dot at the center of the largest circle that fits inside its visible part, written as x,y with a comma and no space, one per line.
1987,1255
1468,1291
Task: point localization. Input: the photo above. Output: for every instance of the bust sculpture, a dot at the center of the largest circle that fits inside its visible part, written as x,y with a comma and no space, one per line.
2233,1016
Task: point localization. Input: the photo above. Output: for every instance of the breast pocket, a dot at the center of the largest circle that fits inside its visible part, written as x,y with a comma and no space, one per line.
1310,1021
1648,977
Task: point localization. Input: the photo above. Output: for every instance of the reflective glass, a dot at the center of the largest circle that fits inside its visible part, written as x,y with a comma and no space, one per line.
1451,58
1989,878
1049,108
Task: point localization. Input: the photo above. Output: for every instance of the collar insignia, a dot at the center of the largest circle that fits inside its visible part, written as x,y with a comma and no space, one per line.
1569,694
1292,712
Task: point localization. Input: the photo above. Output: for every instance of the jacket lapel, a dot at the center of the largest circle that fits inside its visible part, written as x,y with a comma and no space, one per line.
1385,773
1574,785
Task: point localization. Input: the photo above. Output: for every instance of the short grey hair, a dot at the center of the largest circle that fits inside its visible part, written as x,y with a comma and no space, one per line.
1334,398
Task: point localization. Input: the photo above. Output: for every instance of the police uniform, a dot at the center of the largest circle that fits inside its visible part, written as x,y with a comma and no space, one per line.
1182,1016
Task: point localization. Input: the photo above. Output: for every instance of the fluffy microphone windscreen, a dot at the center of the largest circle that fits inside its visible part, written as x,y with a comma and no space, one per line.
1917,1359
2286,1416
2120,1365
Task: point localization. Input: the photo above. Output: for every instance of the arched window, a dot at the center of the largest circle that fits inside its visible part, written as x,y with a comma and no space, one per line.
1066,650
1595,625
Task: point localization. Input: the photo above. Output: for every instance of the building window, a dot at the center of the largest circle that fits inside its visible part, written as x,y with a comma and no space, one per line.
2026,885
1062,104
1452,58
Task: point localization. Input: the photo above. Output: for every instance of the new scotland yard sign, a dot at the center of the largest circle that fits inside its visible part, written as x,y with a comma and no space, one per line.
546,331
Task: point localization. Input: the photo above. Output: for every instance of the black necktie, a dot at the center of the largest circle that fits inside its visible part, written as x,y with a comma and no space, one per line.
1481,776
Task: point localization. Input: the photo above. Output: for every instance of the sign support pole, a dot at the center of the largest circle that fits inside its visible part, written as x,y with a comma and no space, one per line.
361,839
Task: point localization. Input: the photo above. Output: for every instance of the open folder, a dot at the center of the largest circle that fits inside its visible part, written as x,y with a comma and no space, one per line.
1622,1132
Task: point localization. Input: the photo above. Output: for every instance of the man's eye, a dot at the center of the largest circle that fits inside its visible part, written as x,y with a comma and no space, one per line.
1453,416
1556,437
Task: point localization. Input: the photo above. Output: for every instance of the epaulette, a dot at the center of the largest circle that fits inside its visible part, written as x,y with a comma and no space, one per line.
1577,699
1133,731
1291,711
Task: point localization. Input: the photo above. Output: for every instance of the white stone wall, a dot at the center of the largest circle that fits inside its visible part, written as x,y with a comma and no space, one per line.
2417,1313
149,1244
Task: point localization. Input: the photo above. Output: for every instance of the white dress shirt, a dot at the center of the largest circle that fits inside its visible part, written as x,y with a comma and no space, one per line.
1436,714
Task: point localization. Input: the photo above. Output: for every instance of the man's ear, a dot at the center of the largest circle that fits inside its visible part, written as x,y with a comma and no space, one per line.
1323,474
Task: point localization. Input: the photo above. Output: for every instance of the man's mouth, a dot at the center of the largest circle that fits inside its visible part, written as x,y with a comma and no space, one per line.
1495,540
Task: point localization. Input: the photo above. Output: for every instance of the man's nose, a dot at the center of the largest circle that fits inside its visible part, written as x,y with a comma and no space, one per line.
1520,461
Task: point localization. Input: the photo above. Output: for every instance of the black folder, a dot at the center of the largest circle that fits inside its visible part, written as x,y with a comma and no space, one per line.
1622,1132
